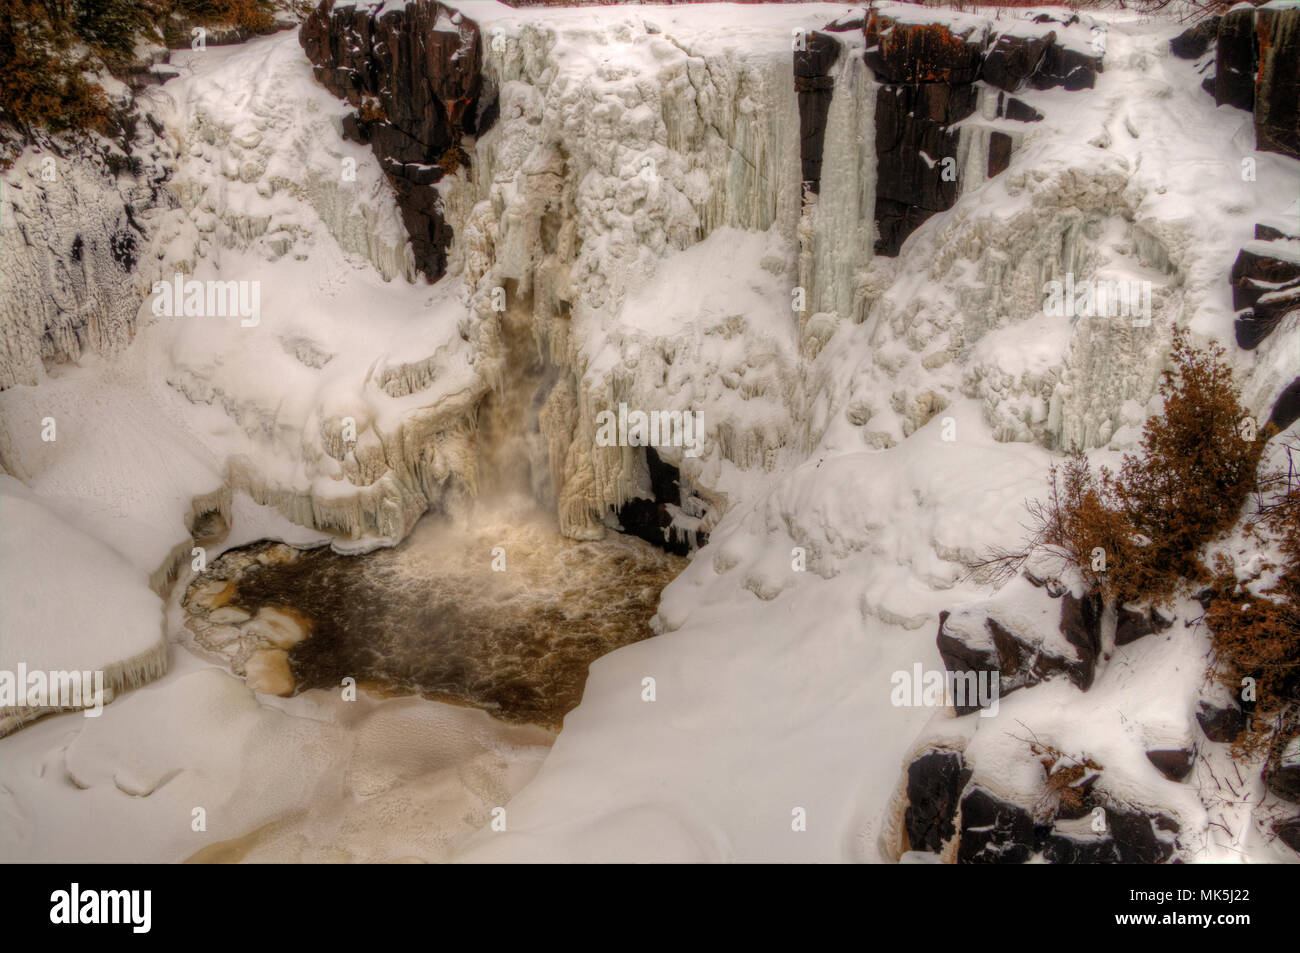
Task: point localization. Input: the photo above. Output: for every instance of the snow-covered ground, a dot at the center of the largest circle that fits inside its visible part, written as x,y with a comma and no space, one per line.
860,467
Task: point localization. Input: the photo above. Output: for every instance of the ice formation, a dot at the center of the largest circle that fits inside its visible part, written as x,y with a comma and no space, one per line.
638,201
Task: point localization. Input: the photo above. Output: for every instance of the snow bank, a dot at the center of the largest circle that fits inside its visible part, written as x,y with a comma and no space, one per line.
69,603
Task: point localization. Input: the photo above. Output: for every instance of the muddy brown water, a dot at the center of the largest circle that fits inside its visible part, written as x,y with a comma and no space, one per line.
432,617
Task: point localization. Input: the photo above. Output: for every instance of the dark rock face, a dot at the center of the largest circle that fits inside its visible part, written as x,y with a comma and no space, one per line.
651,519
1235,60
1011,108
927,72
1286,410
1221,724
1022,659
1134,624
1135,837
934,784
413,73
1256,53
927,75
1288,831
1081,626
1265,289
1011,60
994,831
1072,849
1277,87
1192,44
999,153
1282,770
922,52
813,87
1067,68
1173,763
894,222
915,119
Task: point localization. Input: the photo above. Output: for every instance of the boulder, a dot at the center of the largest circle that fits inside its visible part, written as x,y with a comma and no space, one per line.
1174,763
1081,626
1133,624
849,23
1288,831
1080,849
1192,44
1282,769
1137,835
994,831
1221,723
1012,59
1130,837
1023,636
1286,410
1265,287
1067,68
934,784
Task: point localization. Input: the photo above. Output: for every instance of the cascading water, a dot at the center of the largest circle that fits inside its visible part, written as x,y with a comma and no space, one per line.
504,597
489,606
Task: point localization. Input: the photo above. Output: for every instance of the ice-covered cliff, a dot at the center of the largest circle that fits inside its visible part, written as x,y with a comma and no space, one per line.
743,213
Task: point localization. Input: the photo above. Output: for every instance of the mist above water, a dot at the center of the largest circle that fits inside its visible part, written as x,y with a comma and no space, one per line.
490,607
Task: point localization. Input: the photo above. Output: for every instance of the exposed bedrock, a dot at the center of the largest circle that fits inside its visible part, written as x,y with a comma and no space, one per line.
1265,285
1235,59
413,74
953,811
1286,410
1023,635
657,518
1194,42
934,784
1256,52
1277,80
814,84
1282,770
928,74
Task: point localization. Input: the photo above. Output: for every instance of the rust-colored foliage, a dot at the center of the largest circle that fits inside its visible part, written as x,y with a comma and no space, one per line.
1254,619
40,82
46,46
372,110
1068,779
1136,535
